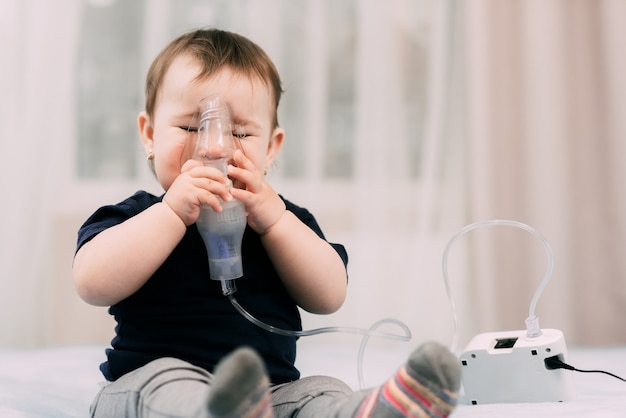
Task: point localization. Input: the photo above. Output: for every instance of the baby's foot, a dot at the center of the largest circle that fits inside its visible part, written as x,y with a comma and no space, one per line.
240,387
426,386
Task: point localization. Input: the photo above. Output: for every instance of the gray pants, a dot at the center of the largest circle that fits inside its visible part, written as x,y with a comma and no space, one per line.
170,387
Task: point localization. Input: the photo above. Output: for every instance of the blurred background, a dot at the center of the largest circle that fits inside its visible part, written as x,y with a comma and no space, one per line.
406,120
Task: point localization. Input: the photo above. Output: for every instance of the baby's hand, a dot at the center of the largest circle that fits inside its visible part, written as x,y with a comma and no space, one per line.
262,203
196,185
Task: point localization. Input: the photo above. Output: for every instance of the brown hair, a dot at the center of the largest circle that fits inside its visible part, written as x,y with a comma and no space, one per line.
215,49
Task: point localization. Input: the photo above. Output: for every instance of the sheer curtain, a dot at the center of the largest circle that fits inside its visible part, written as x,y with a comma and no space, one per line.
546,105
373,148
37,46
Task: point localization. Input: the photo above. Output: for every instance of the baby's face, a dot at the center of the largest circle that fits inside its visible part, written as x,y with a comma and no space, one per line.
250,104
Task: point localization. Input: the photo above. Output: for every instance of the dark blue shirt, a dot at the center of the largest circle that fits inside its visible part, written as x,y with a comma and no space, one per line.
180,312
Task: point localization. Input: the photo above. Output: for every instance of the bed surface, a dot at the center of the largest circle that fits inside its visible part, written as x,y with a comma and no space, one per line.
60,382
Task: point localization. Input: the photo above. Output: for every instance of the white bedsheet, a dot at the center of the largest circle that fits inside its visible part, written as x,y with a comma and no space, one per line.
60,382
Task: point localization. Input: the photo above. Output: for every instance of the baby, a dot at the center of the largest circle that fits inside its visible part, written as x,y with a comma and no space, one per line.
181,349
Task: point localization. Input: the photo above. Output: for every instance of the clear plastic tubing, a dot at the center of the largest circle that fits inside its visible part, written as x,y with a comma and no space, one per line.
532,322
367,333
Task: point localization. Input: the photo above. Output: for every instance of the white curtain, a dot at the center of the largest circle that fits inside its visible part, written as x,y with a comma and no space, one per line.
547,141
37,47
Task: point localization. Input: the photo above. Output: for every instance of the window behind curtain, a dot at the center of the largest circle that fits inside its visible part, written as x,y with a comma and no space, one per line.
315,45
108,93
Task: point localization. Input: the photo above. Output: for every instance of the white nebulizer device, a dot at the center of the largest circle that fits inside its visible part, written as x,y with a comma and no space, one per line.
512,366
222,232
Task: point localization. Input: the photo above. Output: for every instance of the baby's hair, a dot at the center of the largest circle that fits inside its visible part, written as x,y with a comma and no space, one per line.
215,49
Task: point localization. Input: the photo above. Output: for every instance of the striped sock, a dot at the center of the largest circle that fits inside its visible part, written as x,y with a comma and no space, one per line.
426,386
240,387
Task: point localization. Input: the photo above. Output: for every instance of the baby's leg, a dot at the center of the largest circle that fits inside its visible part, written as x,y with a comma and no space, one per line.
166,387
426,385
313,396
173,388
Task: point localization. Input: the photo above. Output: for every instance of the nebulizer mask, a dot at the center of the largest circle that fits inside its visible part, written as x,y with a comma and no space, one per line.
222,232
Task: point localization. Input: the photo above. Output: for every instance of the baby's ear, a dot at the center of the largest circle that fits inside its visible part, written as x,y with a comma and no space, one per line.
146,131
274,145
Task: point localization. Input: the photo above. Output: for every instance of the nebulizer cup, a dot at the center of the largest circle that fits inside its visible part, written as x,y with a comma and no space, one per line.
222,232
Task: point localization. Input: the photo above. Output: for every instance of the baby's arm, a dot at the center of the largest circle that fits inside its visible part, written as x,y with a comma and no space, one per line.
311,269
119,261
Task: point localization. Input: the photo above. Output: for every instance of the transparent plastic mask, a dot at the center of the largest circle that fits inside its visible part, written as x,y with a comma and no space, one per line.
222,232
215,144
